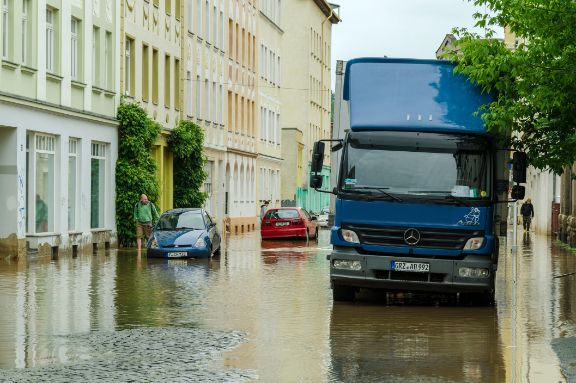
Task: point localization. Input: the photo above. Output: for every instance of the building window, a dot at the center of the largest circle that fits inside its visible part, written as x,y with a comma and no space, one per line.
145,72
207,22
108,55
97,185
50,50
208,181
198,17
43,182
167,81
206,100
155,84
5,29
72,182
190,13
198,97
25,31
74,48
129,67
95,56
177,84
188,99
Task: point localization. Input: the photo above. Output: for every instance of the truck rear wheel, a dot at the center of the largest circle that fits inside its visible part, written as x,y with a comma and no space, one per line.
343,293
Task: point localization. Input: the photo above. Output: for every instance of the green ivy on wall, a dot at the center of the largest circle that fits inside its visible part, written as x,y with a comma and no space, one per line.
135,168
186,142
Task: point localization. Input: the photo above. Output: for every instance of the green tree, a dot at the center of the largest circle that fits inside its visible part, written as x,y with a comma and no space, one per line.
186,142
534,85
135,168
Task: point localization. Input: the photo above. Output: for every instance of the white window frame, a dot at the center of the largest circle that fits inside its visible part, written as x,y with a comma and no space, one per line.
74,25
50,48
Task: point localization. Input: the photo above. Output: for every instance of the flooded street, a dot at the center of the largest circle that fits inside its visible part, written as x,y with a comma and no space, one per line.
264,312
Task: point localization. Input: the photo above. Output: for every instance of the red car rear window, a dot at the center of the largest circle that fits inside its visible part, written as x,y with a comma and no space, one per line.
283,214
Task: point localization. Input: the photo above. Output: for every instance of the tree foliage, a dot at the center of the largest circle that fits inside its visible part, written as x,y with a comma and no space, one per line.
135,168
186,142
534,84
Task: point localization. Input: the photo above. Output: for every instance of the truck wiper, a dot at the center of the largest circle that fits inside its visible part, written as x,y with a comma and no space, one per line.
380,189
448,196
461,200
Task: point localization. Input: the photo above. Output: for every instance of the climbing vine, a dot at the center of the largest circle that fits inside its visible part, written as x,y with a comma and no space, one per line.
135,168
186,142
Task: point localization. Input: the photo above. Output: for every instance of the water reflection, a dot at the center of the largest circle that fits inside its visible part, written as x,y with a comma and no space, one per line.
417,344
277,293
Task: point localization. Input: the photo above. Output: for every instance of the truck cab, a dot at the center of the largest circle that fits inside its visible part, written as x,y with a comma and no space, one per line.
418,183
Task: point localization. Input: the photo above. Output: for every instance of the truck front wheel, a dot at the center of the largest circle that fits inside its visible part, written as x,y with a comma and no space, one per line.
343,293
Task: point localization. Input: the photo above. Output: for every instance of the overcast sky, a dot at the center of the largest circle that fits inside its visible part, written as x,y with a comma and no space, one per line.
396,28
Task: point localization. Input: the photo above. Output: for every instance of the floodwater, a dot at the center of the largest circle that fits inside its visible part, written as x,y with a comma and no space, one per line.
264,312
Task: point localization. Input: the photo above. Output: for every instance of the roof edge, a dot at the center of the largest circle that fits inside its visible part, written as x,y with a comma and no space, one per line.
328,11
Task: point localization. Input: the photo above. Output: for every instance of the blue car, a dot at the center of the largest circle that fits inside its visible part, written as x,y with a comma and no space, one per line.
184,233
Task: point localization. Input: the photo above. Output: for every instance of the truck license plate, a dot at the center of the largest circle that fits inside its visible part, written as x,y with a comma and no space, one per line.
177,254
416,267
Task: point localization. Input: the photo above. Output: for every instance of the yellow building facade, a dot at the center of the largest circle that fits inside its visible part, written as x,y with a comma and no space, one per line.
306,96
269,107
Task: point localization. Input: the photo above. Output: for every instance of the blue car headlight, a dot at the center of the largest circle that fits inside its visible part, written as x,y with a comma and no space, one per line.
154,243
200,243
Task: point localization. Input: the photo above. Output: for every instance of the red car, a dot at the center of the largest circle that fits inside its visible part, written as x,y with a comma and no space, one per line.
288,222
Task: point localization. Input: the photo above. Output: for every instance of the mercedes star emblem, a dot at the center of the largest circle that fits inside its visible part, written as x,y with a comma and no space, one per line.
412,237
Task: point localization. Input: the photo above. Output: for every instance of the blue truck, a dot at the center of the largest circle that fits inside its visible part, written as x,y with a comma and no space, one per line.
420,184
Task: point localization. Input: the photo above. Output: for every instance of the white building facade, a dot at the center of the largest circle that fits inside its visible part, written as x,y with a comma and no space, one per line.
240,170
58,133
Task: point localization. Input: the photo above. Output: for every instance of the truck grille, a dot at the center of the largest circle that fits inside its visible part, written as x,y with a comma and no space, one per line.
429,238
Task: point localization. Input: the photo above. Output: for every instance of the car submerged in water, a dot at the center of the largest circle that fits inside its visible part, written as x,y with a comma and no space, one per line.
184,233
286,222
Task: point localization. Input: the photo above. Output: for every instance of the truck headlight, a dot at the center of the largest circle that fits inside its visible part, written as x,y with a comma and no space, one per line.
154,244
474,243
347,265
349,236
200,243
473,272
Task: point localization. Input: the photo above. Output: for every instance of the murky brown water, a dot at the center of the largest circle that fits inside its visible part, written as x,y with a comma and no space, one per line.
278,294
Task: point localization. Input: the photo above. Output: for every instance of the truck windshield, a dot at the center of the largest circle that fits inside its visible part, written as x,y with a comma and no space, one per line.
423,165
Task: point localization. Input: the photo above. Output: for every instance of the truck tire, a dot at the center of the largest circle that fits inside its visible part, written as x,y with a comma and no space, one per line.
343,293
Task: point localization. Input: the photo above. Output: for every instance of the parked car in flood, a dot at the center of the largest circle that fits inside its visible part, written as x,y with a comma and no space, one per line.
323,216
184,233
288,222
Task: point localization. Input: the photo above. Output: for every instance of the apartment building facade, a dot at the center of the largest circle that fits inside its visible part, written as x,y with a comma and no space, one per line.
59,67
205,85
306,98
269,105
152,43
240,170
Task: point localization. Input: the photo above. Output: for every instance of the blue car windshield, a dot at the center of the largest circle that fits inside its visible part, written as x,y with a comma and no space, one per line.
416,164
188,220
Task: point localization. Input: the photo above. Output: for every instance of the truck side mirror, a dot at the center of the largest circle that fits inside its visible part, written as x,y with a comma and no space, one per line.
519,165
317,157
518,192
316,181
